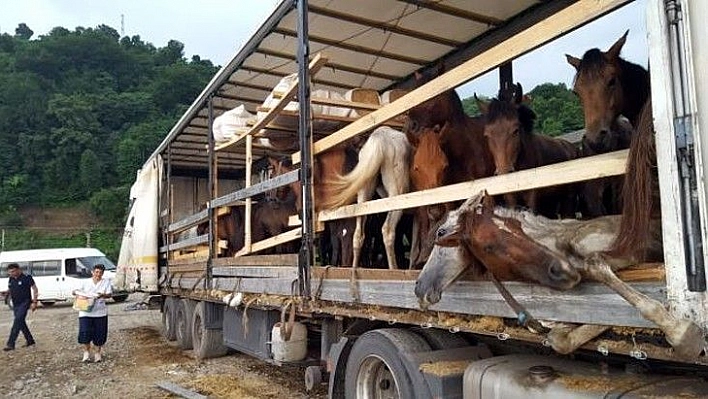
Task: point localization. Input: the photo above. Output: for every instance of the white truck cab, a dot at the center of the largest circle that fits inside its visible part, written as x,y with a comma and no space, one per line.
57,272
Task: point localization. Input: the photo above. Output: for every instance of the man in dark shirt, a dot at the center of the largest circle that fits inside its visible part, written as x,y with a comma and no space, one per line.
24,294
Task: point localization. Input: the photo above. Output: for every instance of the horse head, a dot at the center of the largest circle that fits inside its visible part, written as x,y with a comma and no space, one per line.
448,259
510,254
599,87
507,121
277,167
429,160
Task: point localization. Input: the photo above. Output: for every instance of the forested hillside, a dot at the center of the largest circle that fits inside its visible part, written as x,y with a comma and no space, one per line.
81,110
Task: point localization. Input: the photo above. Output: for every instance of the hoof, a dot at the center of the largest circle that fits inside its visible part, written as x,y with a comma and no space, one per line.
687,339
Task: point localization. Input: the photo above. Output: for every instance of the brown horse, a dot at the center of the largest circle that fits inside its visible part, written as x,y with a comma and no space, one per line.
556,253
608,86
515,146
461,141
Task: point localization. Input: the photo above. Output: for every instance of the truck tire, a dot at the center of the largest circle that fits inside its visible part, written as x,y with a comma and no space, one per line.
168,319
183,322
206,343
375,368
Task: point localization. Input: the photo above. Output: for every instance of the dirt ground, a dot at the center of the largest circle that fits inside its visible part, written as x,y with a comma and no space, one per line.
135,359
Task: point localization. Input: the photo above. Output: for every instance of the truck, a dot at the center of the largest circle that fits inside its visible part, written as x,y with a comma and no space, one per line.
362,331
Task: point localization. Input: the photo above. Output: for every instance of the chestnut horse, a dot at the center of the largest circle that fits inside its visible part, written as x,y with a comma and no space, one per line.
513,244
462,142
383,167
515,146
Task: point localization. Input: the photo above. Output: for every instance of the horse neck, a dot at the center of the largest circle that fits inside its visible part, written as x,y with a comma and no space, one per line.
464,142
635,89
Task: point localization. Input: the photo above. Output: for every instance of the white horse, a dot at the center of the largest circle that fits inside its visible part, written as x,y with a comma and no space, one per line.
385,153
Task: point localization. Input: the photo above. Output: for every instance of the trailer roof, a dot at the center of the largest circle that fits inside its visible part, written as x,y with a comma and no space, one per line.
375,44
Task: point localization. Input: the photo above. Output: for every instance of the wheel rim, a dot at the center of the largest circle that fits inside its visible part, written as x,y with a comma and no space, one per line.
375,380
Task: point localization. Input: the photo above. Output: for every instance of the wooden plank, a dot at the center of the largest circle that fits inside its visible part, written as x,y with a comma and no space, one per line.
563,21
195,267
188,222
256,272
189,242
317,62
604,165
258,260
578,305
278,181
179,391
273,241
271,286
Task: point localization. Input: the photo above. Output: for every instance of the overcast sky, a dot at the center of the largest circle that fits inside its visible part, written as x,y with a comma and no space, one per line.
216,29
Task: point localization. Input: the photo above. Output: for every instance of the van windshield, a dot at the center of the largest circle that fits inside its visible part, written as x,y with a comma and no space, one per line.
88,262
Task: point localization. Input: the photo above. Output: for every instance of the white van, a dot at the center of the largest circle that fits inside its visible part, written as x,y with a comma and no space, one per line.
57,272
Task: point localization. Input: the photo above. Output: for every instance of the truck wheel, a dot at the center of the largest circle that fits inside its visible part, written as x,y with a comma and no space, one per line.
183,322
375,368
206,343
168,319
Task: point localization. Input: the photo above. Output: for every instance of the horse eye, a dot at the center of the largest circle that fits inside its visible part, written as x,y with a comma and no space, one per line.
515,132
612,82
489,248
440,233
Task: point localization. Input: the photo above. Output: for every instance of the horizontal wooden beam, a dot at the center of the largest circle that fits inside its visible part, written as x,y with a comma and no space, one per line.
610,164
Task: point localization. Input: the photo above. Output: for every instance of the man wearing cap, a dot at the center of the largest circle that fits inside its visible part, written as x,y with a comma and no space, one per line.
24,294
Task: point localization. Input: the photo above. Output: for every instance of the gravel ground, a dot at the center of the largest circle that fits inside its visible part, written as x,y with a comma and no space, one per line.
135,358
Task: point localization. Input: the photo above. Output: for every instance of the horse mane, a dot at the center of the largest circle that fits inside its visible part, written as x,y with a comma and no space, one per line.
499,109
638,192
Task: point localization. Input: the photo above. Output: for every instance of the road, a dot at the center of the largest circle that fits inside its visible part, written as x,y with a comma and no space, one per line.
135,358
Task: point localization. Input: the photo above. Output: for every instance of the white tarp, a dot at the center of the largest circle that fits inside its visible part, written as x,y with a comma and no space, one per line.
137,262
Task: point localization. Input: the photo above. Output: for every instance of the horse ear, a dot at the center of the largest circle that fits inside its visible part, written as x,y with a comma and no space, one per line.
614,51
575,62
488,200
483,106
443,129
518,94
418,76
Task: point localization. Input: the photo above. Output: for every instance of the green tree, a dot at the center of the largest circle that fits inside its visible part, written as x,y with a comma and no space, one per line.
23,31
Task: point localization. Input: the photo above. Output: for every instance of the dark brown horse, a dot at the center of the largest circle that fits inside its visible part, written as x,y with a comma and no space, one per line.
514,244
229,228
608,86
461,141
515,146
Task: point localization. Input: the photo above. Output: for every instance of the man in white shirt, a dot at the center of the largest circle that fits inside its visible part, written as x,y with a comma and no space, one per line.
93,324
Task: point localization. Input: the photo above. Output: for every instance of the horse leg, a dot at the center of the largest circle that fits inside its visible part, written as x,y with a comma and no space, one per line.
388,232
566,338
684,336
415,242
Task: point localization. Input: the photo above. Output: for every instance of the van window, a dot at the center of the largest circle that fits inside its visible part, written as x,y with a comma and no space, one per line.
46,268
3,268
89,262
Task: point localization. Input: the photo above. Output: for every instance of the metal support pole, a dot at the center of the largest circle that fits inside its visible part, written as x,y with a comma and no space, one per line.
305,258
212,191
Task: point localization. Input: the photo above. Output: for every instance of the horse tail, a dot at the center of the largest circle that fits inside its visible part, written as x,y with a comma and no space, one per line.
341,190
640,185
